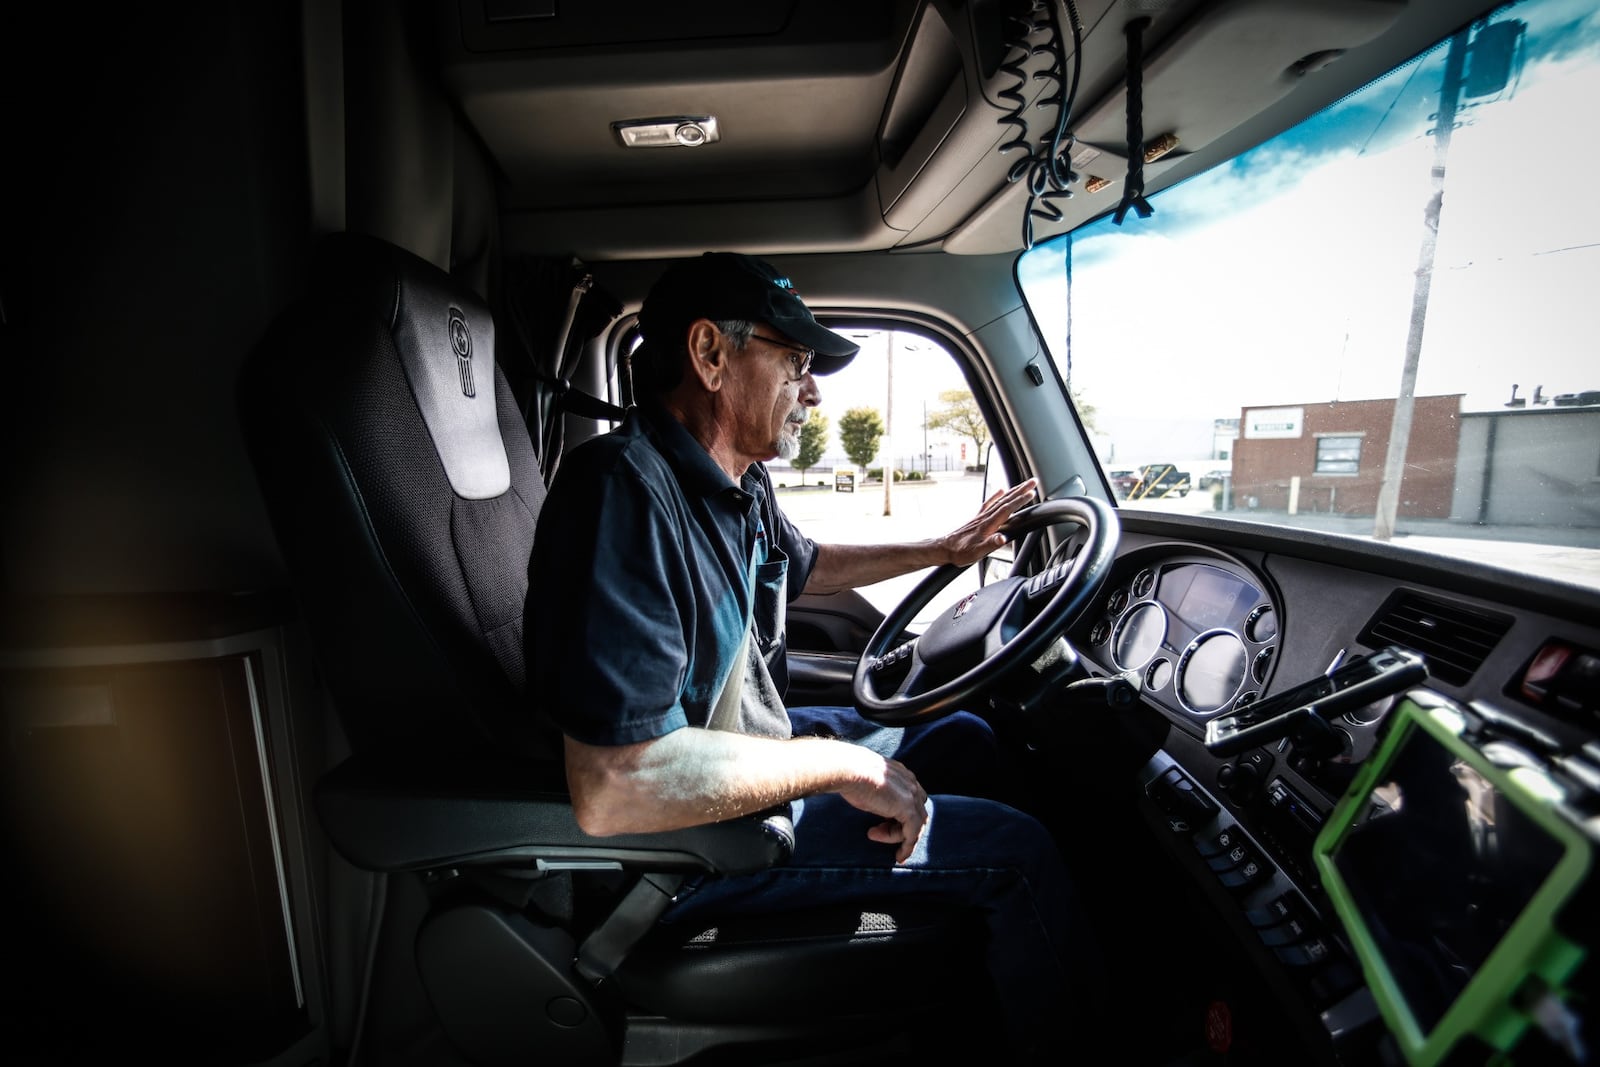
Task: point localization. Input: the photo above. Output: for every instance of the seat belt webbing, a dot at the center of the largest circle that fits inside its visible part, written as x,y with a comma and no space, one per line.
725,712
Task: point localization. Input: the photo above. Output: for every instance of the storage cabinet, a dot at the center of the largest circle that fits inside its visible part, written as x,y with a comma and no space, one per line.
152,827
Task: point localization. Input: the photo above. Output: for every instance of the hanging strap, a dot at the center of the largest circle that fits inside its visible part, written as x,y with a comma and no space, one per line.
1133,186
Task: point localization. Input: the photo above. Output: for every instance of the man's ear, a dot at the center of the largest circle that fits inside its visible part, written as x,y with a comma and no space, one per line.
708,356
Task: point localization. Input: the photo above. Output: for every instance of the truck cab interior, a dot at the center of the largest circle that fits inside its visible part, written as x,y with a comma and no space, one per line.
313,297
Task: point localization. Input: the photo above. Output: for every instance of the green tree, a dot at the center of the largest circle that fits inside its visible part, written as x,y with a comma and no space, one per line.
961,416
860,430
1086,410
813,442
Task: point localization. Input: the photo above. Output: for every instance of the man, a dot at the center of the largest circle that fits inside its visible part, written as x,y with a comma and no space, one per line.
663,544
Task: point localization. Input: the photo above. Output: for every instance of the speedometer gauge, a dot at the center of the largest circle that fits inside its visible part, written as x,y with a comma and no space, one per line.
1211,670
1139,636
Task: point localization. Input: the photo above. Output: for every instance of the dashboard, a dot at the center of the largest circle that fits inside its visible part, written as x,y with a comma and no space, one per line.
1204,629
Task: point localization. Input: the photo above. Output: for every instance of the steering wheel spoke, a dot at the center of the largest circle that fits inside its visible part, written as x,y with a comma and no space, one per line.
984,636
1003,629
912,679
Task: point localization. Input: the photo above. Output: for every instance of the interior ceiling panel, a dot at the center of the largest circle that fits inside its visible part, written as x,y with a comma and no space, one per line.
798,104
761,122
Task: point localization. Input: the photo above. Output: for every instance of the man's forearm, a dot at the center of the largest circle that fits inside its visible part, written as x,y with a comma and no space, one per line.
694,776
853,566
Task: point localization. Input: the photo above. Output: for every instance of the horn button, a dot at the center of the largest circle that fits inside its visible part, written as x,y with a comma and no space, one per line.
959,638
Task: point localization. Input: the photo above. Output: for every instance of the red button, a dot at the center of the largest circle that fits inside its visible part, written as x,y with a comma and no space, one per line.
1543,670
1219,1026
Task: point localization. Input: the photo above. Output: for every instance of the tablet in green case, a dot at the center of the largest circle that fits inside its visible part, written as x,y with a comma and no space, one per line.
1448,873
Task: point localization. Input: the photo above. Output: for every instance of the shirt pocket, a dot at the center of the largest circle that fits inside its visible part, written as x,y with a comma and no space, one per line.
771,596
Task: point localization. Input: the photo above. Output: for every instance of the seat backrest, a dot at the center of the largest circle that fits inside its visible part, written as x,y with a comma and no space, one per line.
404,491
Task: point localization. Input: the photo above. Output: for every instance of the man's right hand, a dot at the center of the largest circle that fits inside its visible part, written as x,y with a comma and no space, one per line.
900,799
692,776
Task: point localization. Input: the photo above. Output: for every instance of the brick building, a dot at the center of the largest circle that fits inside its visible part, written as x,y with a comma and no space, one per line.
1330,457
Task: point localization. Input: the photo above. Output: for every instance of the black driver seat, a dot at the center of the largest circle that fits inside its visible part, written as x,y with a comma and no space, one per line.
404,491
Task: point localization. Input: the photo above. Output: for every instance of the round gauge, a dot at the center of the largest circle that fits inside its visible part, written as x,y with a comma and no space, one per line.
1262,625
1158,674
1101,631
1117,603
1139,636
1211,670
1259,668
1143,582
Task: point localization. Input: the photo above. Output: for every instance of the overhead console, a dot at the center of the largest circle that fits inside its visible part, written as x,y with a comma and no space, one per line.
754,116
1200,82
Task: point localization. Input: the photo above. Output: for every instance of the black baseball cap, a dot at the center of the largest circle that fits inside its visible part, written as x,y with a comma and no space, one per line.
728,285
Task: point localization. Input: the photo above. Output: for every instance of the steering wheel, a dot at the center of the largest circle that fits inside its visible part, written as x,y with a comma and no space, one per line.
1003,625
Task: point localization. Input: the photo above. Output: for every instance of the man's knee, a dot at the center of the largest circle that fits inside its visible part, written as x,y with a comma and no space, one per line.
956,754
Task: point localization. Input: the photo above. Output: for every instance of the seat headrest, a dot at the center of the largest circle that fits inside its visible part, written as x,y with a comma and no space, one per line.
444,336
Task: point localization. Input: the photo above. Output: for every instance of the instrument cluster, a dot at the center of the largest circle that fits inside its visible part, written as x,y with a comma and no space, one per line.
1201,632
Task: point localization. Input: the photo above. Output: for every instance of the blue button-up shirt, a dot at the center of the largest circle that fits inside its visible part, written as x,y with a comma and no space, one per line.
647,566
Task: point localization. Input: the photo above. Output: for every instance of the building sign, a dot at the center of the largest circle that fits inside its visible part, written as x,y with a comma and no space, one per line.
1274,422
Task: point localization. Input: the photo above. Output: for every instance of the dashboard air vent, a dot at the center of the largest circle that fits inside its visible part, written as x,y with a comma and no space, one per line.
1455,639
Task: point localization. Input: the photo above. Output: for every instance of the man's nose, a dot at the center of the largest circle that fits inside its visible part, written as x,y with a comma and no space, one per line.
810,394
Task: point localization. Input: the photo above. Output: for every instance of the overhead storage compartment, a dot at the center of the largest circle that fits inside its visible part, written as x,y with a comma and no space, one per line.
926,102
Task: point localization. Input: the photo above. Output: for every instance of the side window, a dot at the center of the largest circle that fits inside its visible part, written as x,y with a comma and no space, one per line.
1338,454
895,452
996,479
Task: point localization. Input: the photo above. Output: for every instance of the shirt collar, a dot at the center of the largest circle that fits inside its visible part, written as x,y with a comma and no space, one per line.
697,471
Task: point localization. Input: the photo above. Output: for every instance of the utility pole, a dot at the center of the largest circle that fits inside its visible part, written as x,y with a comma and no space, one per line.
887,448
1394,464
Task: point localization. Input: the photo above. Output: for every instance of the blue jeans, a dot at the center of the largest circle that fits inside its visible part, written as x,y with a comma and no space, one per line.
975,853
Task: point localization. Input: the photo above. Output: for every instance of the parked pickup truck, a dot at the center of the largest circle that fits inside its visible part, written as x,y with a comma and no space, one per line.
1159,480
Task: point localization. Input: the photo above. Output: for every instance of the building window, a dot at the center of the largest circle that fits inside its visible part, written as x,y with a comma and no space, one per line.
1339,455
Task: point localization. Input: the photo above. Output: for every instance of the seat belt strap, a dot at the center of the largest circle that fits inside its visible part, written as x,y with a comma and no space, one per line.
725,712
577,402
603,951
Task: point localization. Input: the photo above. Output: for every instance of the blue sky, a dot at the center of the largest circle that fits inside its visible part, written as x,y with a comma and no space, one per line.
1305,292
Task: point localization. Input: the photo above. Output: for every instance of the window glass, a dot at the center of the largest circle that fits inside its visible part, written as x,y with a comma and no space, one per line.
1377,323
901,404
1338,455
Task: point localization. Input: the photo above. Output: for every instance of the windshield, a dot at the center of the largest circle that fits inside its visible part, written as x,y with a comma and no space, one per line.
1378,324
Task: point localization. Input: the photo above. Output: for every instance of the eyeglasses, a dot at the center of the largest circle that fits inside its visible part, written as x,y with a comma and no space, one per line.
799,355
